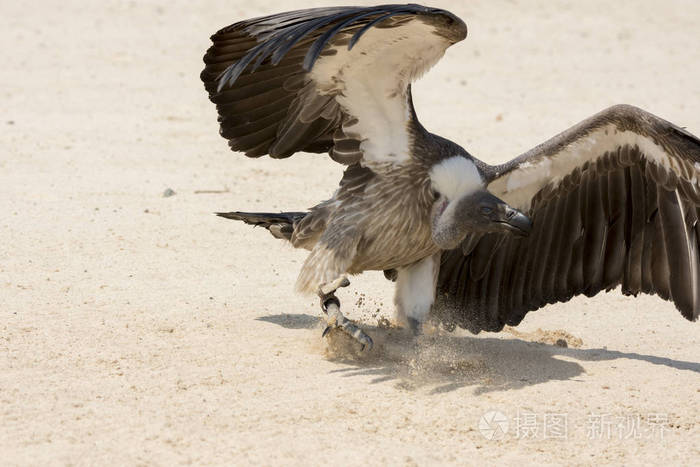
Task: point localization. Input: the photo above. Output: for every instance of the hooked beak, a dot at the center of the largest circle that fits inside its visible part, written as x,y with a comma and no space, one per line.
515,221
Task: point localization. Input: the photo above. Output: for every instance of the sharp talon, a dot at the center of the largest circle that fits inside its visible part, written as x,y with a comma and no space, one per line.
350,329
335,319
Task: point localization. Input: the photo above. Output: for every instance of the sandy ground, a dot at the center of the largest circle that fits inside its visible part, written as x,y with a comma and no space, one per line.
140,329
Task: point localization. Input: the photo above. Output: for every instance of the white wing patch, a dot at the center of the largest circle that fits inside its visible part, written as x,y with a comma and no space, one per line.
519,186
455,177
370,82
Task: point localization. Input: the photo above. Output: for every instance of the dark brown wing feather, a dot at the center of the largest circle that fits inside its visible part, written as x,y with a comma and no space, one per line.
257,75
621,219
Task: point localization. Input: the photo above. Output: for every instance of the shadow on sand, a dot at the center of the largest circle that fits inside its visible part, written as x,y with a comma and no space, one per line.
447,361
292,321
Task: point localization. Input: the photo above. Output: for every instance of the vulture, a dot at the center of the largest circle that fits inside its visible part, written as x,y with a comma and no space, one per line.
613,201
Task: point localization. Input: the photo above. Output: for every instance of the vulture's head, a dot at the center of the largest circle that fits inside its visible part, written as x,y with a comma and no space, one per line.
463,205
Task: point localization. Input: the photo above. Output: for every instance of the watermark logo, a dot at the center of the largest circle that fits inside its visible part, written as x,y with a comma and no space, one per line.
527,425
493,425
607,426
551,425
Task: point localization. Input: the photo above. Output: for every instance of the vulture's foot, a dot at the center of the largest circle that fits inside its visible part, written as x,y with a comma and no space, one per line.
335,319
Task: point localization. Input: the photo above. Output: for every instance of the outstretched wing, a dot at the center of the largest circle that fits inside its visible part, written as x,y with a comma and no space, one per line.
614,201
326,79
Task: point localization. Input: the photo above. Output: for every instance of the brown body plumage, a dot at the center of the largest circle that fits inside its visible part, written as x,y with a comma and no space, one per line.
374,221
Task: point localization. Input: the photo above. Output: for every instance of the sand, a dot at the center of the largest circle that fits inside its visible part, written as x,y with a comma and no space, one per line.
141,329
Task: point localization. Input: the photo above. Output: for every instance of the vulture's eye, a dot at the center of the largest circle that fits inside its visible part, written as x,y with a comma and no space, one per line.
435,193
485,210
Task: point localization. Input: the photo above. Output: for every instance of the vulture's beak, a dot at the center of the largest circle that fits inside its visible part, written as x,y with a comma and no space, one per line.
497,215
514,220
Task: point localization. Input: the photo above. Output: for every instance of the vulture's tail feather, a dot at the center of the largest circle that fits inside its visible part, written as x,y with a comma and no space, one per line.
281,225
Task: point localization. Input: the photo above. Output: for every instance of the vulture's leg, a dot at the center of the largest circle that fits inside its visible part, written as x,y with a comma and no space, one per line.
335,319
415,291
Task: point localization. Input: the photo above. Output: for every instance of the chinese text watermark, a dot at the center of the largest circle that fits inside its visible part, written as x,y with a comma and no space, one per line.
528,425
